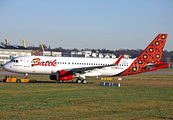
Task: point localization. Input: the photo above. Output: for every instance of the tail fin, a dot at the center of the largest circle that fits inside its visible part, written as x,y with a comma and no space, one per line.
151,55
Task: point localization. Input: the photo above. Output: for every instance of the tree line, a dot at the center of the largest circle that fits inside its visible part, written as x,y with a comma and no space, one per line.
166,57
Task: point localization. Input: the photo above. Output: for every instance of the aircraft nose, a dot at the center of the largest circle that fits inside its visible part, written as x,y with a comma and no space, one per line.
5,66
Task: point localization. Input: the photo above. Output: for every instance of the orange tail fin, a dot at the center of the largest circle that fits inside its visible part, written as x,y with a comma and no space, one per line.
151,55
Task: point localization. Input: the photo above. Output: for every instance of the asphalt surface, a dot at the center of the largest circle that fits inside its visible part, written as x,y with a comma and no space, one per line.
9,73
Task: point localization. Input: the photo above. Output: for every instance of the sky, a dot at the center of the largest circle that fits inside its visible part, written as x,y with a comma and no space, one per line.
104,24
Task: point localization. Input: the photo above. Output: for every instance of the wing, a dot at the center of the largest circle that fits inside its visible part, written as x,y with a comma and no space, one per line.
82,70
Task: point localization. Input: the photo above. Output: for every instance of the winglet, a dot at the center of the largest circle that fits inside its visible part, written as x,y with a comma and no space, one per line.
116,63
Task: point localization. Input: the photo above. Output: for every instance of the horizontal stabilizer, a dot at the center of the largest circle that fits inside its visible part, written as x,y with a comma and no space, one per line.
156,65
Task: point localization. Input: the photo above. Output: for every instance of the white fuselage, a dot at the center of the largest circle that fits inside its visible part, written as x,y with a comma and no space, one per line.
49,65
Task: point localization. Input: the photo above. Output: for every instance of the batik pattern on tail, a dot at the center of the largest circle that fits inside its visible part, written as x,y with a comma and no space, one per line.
151,55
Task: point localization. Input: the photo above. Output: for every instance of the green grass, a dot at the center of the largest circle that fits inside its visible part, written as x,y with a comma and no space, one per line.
133,100
1,69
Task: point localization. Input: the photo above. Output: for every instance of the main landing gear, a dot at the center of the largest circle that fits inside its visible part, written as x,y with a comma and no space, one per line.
84,81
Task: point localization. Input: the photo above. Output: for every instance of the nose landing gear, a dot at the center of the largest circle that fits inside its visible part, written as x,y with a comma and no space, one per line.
26,75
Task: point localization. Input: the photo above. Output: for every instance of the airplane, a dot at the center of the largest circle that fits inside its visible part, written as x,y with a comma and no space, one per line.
67,68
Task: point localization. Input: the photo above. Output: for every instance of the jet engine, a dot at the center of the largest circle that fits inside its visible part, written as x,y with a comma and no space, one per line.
62,75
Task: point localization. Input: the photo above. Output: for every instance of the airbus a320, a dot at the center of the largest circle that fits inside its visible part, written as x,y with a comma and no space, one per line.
66,68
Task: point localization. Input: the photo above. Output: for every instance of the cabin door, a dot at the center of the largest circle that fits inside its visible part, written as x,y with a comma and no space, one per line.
26,62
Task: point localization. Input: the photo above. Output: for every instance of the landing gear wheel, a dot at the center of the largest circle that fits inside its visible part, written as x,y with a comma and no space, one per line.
18,81
26,75
84,81
79,81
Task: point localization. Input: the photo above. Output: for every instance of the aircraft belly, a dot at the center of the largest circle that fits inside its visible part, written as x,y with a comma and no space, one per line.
23,70
41,70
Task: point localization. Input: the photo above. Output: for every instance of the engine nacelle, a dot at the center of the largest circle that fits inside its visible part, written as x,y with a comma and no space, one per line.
62,75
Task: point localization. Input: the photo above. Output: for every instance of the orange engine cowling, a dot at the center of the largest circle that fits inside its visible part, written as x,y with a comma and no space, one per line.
62,75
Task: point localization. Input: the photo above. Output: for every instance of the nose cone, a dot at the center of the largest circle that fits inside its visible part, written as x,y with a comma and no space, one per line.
6,66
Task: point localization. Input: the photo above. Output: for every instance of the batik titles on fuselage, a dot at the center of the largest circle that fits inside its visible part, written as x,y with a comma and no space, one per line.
38,62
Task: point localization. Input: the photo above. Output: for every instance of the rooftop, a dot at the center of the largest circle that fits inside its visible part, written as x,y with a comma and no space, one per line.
13,47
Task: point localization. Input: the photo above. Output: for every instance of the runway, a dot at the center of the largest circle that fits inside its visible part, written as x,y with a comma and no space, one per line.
9,73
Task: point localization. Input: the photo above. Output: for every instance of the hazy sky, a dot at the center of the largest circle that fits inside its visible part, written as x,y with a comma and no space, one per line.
110,24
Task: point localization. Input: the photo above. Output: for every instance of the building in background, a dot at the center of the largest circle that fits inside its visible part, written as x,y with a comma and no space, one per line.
35,53
10,51
50,53
7,52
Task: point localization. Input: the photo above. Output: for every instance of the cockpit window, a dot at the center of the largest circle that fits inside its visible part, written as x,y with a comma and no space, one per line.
15,61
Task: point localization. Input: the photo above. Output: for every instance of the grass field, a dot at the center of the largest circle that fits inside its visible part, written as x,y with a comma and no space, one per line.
142,96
